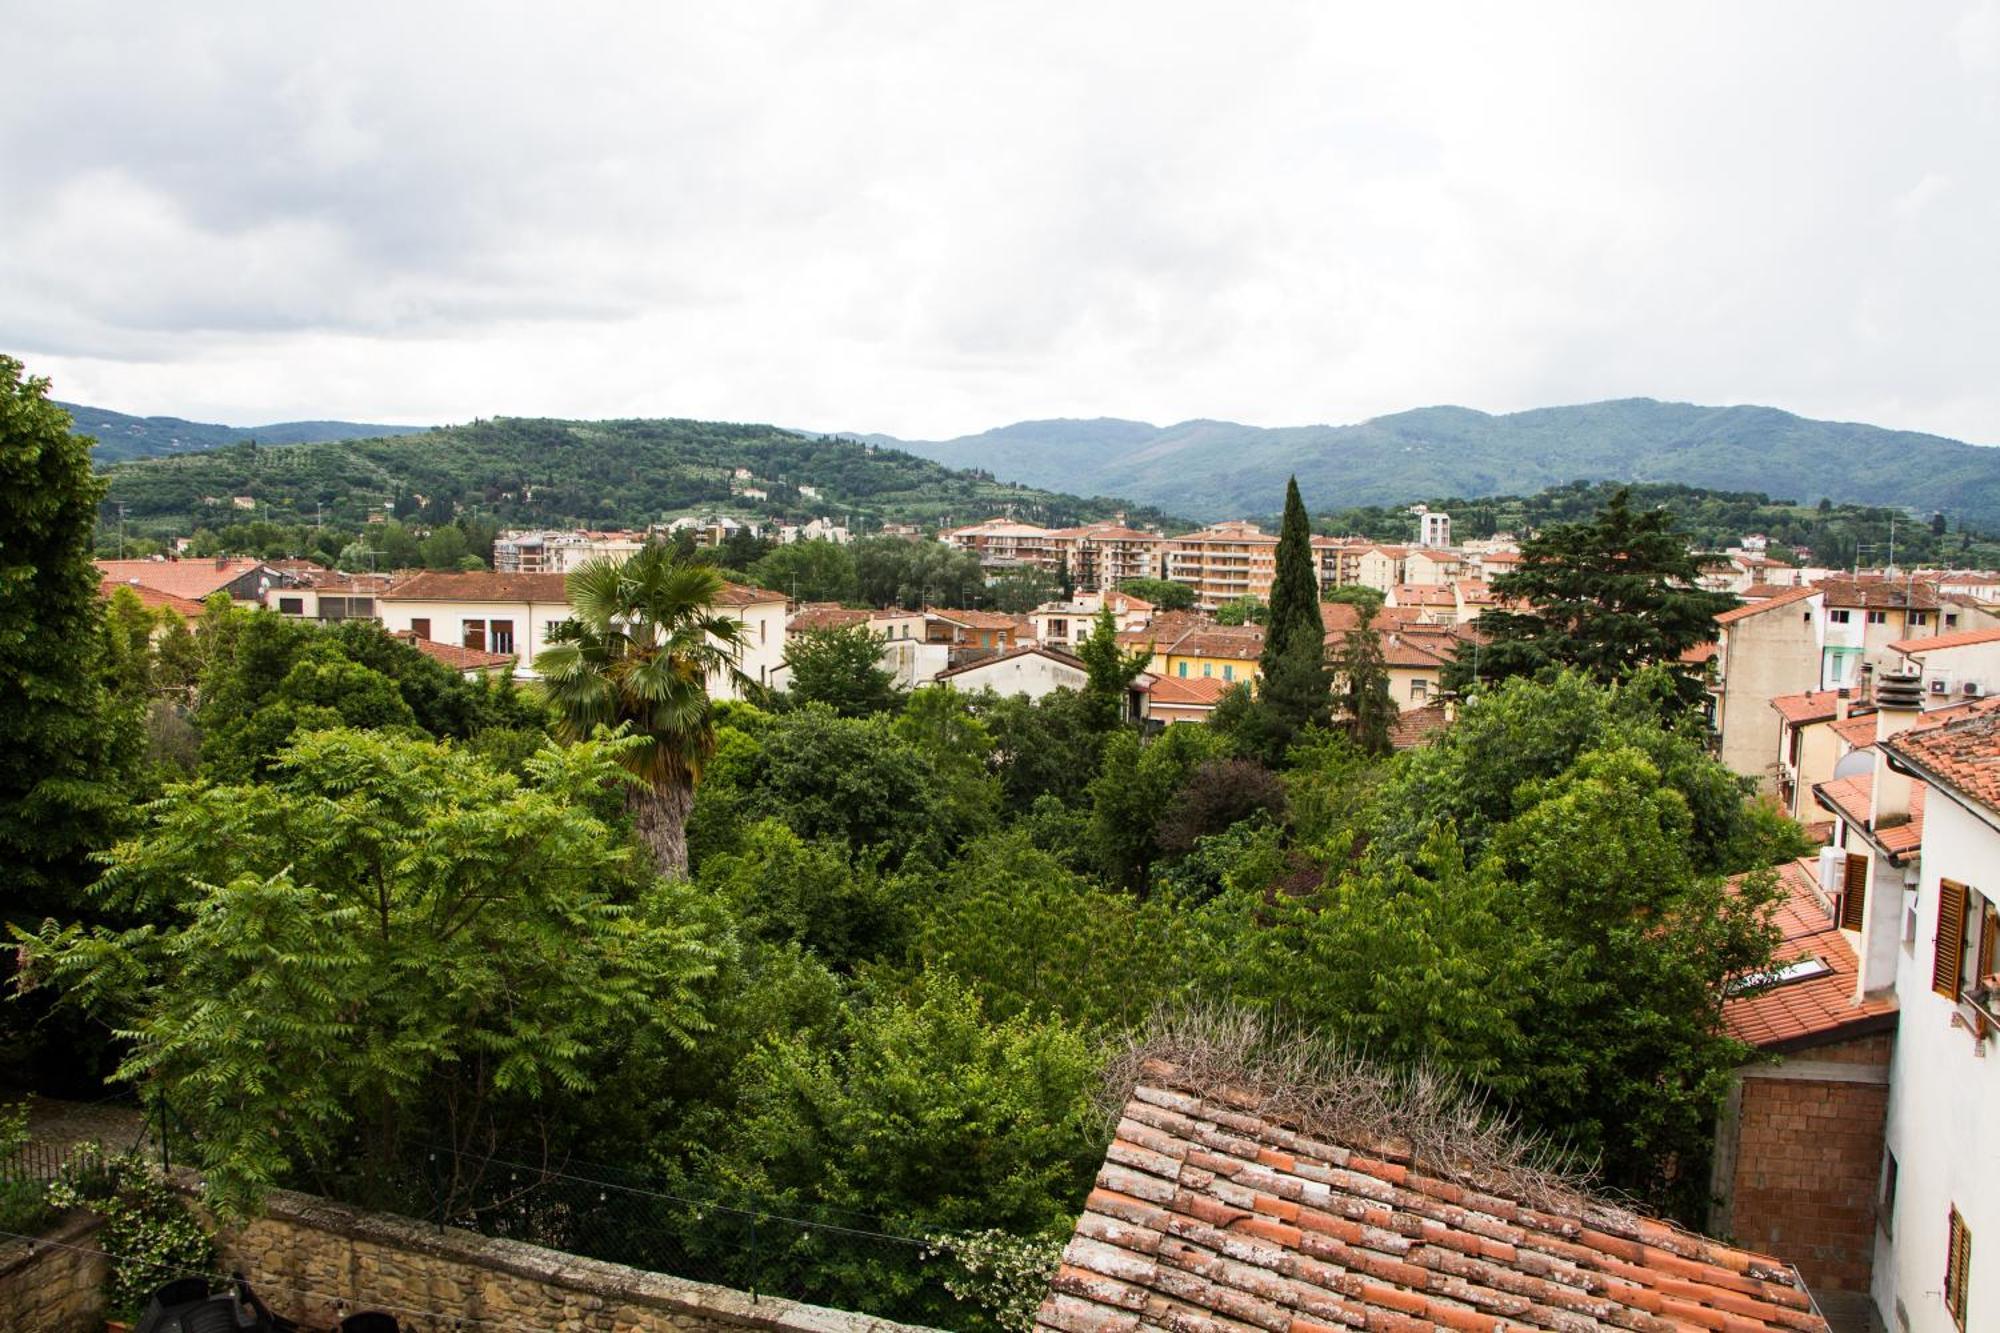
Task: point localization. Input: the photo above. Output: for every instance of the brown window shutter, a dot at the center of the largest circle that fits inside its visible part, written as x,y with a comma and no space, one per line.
1957,1267
1989,941
1854,892
1950,938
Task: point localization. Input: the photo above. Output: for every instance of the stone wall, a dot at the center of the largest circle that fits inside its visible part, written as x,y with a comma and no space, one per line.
55,1284
316,1261
1802,1147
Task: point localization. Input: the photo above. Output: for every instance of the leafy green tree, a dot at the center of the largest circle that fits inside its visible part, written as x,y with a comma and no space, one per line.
66,750
786,890
1242,611
445,548
1033,937
1367,710
1368,600
1608,596
1047,747
644,642
841,667
1136,783
810,571
1217,794
890,571
847,780
1022,589
1164,594
1111,669
924,1115
946,727
387,943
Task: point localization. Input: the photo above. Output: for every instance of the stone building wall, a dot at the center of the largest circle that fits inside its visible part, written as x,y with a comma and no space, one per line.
316,1261
56,1284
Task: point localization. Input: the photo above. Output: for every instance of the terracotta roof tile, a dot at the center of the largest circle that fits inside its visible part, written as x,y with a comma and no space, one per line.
1785,598
480,586
192,579
455,657
1963,755
1418,726
825,615
1208,1216
1813,1009
1962,639
1851,798
1858,730
1191,691
1812,706
1873,594
1238,642
152,598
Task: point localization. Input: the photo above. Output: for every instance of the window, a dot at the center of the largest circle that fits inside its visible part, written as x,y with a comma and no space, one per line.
1839,616
473,634
502,637
1968,941
421,627
1184,671
291,606
1957,1262
763,631
1918,619
1878,617
1228,672
1420,689
1885,1207
1950,619
1208,668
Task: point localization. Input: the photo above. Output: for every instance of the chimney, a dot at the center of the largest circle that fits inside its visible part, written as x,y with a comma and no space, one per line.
1843,701
1899,701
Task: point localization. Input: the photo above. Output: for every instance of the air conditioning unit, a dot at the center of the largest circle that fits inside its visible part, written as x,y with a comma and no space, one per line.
1972,689
1937,685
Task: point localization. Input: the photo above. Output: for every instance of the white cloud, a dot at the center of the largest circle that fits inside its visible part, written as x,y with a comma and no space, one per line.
931,219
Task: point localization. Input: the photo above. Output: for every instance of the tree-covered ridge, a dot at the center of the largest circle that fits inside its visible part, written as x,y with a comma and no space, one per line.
1835,533
526,472
119,436
1212,469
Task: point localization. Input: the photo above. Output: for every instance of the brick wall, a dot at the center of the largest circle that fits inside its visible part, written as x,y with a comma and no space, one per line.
315,1261
1801,1152
56,1284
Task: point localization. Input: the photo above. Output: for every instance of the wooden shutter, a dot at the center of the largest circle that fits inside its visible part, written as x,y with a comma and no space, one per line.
421,626
1854,892
1950,938
1989,941
1957,1265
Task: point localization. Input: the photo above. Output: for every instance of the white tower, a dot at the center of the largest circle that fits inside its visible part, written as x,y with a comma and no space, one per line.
1433,528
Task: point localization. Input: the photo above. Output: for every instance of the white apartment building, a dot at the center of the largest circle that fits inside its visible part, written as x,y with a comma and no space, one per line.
555,551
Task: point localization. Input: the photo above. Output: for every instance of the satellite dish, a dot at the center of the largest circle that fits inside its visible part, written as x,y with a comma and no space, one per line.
1855,763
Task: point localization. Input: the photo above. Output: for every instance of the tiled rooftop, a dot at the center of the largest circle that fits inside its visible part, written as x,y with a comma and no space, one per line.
1785,598
457,658
1850,798
1814,1009
153,598
1812,706
1964,638
1963,755
192,579
1210,1216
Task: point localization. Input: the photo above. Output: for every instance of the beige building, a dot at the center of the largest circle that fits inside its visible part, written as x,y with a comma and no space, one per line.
1763,650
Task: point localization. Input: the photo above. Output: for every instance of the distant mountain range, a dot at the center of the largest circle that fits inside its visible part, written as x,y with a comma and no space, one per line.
121,437
1213,469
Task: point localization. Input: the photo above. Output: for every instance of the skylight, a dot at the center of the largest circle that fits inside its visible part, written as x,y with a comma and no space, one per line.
1783,974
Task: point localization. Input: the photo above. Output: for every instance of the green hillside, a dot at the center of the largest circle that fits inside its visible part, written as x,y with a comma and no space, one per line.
1212,469
519,471
120,437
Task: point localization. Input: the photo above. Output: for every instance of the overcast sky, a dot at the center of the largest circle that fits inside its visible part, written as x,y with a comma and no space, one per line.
929,219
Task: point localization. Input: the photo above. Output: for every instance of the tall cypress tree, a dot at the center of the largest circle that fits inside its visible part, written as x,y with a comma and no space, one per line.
64,751
1294,611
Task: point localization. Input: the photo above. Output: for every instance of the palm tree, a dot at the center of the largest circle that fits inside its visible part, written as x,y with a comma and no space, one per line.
642,642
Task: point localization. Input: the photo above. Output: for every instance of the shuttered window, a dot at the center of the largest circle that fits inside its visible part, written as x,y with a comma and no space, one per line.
1989,942
1948,961
1854,892
1957,1263
421,627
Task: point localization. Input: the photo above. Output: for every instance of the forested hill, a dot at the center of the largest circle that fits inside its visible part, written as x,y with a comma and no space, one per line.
522,471
1211,469
121,437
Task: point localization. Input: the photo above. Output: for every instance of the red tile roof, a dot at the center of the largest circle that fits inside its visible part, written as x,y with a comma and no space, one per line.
1812,706
1858,730
1211,1214
1418,726
1190,691
1813,1010
825,615
457,658
1962,755
1785,598
1880,594
1851,798
152,598
1237,642
192,579
1962,639
480,586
